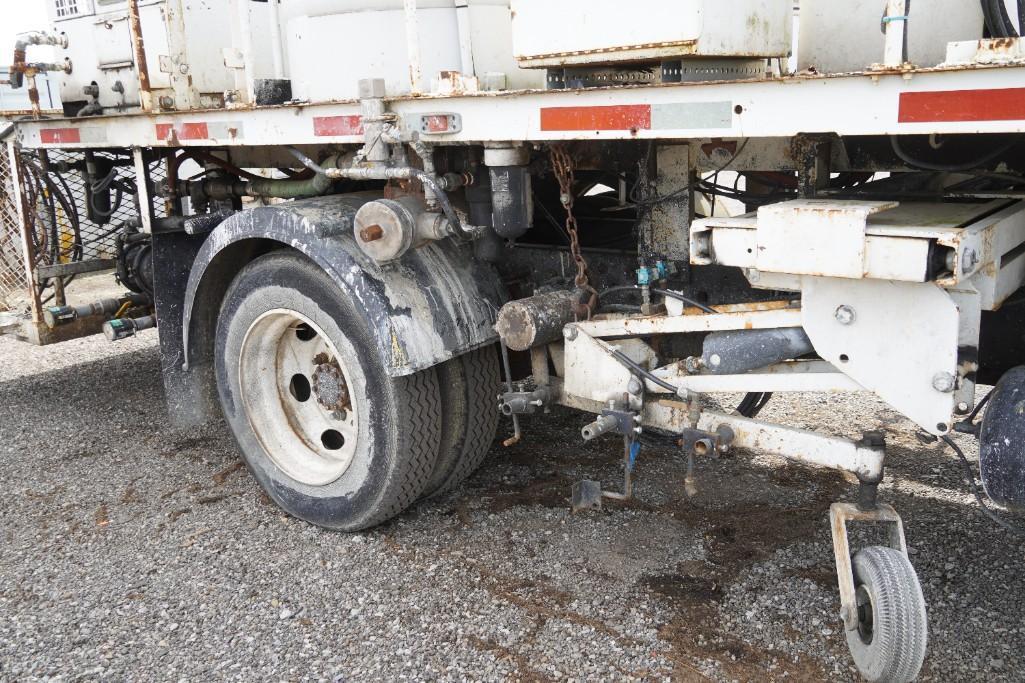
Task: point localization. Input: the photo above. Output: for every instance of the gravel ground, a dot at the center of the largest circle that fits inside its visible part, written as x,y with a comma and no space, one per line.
132,550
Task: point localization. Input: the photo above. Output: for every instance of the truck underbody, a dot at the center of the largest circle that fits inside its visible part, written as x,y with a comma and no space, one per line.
363,286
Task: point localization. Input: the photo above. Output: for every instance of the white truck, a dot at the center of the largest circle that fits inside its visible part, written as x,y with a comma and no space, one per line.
365,229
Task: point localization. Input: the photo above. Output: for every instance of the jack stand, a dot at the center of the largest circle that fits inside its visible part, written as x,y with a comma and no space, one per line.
588,494
517,435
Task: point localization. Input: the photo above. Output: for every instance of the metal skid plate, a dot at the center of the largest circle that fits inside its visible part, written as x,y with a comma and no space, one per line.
900,341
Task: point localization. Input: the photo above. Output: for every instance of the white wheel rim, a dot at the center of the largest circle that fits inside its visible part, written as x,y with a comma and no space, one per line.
298,398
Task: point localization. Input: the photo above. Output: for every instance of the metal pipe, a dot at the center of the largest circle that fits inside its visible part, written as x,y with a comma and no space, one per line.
277,51
413,47
465,38
139,47
896,24
405,173
245,21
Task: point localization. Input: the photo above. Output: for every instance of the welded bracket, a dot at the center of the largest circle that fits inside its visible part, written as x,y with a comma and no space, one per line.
840,514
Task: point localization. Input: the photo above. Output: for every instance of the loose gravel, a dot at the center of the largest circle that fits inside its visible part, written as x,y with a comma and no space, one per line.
135,551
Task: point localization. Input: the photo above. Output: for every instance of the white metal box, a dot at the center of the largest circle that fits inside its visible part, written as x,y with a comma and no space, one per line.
551,33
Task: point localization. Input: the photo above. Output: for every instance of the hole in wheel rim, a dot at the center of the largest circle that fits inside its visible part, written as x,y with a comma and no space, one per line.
332,440
305,333
300,388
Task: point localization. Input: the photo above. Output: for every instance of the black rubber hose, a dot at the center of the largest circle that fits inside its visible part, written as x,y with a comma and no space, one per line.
625,360
903,155
998,21
969,476
661,292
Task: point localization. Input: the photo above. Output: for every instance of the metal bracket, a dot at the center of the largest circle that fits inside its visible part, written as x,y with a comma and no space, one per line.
839,516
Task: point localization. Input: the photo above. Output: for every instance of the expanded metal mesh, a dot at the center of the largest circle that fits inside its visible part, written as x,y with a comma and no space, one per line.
13,280
70,224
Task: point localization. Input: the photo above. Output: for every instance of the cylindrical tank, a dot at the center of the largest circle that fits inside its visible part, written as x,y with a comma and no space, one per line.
332,44
844,37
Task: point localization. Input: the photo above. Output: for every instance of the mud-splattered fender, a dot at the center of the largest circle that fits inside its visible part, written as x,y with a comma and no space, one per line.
434,304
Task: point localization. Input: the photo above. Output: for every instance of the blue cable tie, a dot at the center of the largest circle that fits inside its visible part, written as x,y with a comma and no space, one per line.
903,17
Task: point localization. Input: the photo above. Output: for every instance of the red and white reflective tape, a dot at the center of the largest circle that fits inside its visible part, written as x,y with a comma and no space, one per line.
199,130
638,117
72,136
952,106
337,126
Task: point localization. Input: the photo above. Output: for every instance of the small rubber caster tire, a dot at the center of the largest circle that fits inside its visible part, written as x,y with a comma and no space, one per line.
889,644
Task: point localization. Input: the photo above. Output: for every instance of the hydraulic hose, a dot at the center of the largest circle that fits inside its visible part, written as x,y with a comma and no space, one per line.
998,21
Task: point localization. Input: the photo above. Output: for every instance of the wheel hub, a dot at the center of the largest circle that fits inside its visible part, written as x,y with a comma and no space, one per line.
297,397
329,385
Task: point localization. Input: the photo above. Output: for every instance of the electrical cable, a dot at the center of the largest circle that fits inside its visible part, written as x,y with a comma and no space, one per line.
904,156
661,292
625,360
974,487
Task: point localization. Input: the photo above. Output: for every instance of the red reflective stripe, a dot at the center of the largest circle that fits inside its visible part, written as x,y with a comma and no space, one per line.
624,117
1006,104
334,126
186,131
56,136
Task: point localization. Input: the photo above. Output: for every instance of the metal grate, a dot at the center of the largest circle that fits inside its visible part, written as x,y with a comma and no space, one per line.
67,8
64,228
13,282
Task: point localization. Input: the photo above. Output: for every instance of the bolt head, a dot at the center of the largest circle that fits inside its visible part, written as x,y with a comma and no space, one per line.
944,382
845,315
715,360
570,332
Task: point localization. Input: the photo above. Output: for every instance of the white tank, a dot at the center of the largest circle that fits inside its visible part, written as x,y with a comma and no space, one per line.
324,47
844,37
332,44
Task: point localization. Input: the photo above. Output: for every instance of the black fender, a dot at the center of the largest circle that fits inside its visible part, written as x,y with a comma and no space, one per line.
434,304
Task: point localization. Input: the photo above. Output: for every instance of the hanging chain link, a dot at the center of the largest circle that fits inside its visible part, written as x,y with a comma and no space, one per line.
562,163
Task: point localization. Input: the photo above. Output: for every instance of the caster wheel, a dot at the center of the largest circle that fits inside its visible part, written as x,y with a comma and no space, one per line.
888,645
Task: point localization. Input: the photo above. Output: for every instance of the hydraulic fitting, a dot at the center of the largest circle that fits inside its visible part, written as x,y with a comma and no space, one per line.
123,328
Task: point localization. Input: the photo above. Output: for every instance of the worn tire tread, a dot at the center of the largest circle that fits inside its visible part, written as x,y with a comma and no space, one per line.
900,631
476,376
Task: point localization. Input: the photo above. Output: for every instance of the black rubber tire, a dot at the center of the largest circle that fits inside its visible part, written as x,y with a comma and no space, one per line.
400,418
890,643
469,399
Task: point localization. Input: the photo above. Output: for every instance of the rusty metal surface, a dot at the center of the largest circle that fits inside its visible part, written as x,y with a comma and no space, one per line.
840,514
139,48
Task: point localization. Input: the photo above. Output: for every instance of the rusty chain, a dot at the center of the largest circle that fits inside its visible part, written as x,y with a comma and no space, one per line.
562,164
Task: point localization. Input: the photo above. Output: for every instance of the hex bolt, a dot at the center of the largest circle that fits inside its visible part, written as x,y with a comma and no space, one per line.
969,260
635,387
371,233
944,382
845,315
